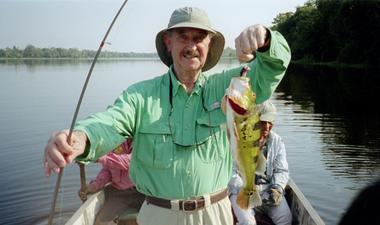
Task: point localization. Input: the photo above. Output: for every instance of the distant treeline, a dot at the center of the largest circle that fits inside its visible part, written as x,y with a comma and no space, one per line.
33,52
335,31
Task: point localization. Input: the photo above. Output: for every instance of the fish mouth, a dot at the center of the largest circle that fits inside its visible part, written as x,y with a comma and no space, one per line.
237,108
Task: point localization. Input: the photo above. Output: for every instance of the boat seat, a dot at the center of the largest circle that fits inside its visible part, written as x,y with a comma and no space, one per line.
127,218
120,207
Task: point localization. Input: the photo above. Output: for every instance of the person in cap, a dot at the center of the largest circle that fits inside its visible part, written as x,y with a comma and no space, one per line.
276,177
181,158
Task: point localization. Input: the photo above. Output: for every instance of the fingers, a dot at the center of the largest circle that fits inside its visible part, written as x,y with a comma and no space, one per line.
82,195
243,49
59,153
54,156
249,40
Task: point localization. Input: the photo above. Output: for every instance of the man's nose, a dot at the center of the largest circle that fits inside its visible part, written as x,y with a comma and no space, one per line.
191,44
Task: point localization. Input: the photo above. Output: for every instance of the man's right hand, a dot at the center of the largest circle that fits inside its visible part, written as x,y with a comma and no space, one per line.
59,153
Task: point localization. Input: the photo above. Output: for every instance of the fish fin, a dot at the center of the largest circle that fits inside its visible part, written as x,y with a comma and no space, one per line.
261,165
254,199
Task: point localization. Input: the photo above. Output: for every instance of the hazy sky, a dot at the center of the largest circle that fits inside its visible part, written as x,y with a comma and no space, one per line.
83,23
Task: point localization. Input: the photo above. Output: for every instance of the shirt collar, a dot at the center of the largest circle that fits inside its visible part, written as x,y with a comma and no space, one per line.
199,84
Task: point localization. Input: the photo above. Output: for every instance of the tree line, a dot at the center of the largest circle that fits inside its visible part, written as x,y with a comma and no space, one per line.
31,51
333,31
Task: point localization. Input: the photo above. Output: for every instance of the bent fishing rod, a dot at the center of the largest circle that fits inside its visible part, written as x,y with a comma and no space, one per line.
82,172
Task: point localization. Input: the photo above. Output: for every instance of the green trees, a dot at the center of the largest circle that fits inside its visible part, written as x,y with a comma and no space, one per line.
341,31
32,52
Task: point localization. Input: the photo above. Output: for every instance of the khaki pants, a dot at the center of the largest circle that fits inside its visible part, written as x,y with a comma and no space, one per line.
218,213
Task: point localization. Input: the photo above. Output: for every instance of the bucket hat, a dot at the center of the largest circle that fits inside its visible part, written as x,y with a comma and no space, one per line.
191,17
267,112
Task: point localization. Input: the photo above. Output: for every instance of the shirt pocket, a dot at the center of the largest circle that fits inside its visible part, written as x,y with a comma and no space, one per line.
156,147
211,127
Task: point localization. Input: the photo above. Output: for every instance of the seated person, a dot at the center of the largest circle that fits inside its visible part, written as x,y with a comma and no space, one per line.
121,196
115,170
271,185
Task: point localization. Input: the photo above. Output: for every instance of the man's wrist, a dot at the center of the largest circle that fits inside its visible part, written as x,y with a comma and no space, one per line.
80,142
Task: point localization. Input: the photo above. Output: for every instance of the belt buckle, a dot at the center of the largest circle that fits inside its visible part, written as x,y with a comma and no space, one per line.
189,205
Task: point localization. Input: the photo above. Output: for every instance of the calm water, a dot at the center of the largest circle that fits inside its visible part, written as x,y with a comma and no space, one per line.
326,118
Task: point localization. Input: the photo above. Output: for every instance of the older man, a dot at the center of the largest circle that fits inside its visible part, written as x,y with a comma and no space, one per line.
181,159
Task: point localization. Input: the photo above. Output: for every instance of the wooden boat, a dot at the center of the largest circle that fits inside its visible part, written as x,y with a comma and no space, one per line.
303,212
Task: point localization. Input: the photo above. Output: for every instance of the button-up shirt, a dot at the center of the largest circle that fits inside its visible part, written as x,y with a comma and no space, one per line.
179,139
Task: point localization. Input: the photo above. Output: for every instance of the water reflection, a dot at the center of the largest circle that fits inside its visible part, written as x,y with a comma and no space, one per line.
326,117
344,102
32,65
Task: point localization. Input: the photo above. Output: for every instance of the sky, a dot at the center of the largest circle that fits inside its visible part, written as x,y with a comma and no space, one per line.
82,23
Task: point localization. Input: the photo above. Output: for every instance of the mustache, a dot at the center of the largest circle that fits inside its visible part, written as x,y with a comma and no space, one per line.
191,53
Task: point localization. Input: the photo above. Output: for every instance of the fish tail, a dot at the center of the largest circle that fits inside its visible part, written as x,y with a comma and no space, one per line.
255,199
242,199
249,199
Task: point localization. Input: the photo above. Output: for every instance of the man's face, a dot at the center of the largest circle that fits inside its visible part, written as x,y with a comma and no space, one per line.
265,128
188,47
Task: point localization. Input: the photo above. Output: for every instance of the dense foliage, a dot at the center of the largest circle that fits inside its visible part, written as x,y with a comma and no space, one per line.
340,31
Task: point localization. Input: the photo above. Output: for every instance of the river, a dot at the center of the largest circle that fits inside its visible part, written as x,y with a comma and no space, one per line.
326,117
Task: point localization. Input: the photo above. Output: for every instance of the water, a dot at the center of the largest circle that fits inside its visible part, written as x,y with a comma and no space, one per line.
326,119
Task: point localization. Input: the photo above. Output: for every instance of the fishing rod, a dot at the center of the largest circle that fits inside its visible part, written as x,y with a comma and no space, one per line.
82,171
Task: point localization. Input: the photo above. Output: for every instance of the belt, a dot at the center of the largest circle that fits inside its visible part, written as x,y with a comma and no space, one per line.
187,205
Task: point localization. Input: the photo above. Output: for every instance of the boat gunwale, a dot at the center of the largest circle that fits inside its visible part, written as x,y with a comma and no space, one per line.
94,201
313,214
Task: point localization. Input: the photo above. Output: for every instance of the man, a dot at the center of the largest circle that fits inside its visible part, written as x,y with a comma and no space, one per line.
181,158
276,177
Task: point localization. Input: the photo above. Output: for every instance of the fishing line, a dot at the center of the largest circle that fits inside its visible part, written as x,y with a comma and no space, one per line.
59,176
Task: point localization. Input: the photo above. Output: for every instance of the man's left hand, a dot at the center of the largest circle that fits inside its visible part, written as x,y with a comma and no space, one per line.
275,195
249,41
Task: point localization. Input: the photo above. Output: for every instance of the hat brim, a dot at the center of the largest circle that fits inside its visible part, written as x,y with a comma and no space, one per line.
268,117
215,50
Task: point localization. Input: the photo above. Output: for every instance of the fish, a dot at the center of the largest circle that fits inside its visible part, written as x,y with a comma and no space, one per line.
243,131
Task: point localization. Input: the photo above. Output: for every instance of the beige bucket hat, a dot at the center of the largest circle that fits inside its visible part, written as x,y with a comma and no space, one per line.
193,18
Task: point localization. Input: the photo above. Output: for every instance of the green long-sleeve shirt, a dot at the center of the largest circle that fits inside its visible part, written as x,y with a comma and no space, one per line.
180,151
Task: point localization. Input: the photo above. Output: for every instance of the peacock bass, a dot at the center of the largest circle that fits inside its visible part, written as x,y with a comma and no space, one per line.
239,105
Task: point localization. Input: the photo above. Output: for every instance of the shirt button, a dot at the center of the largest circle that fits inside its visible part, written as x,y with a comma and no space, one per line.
188,173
